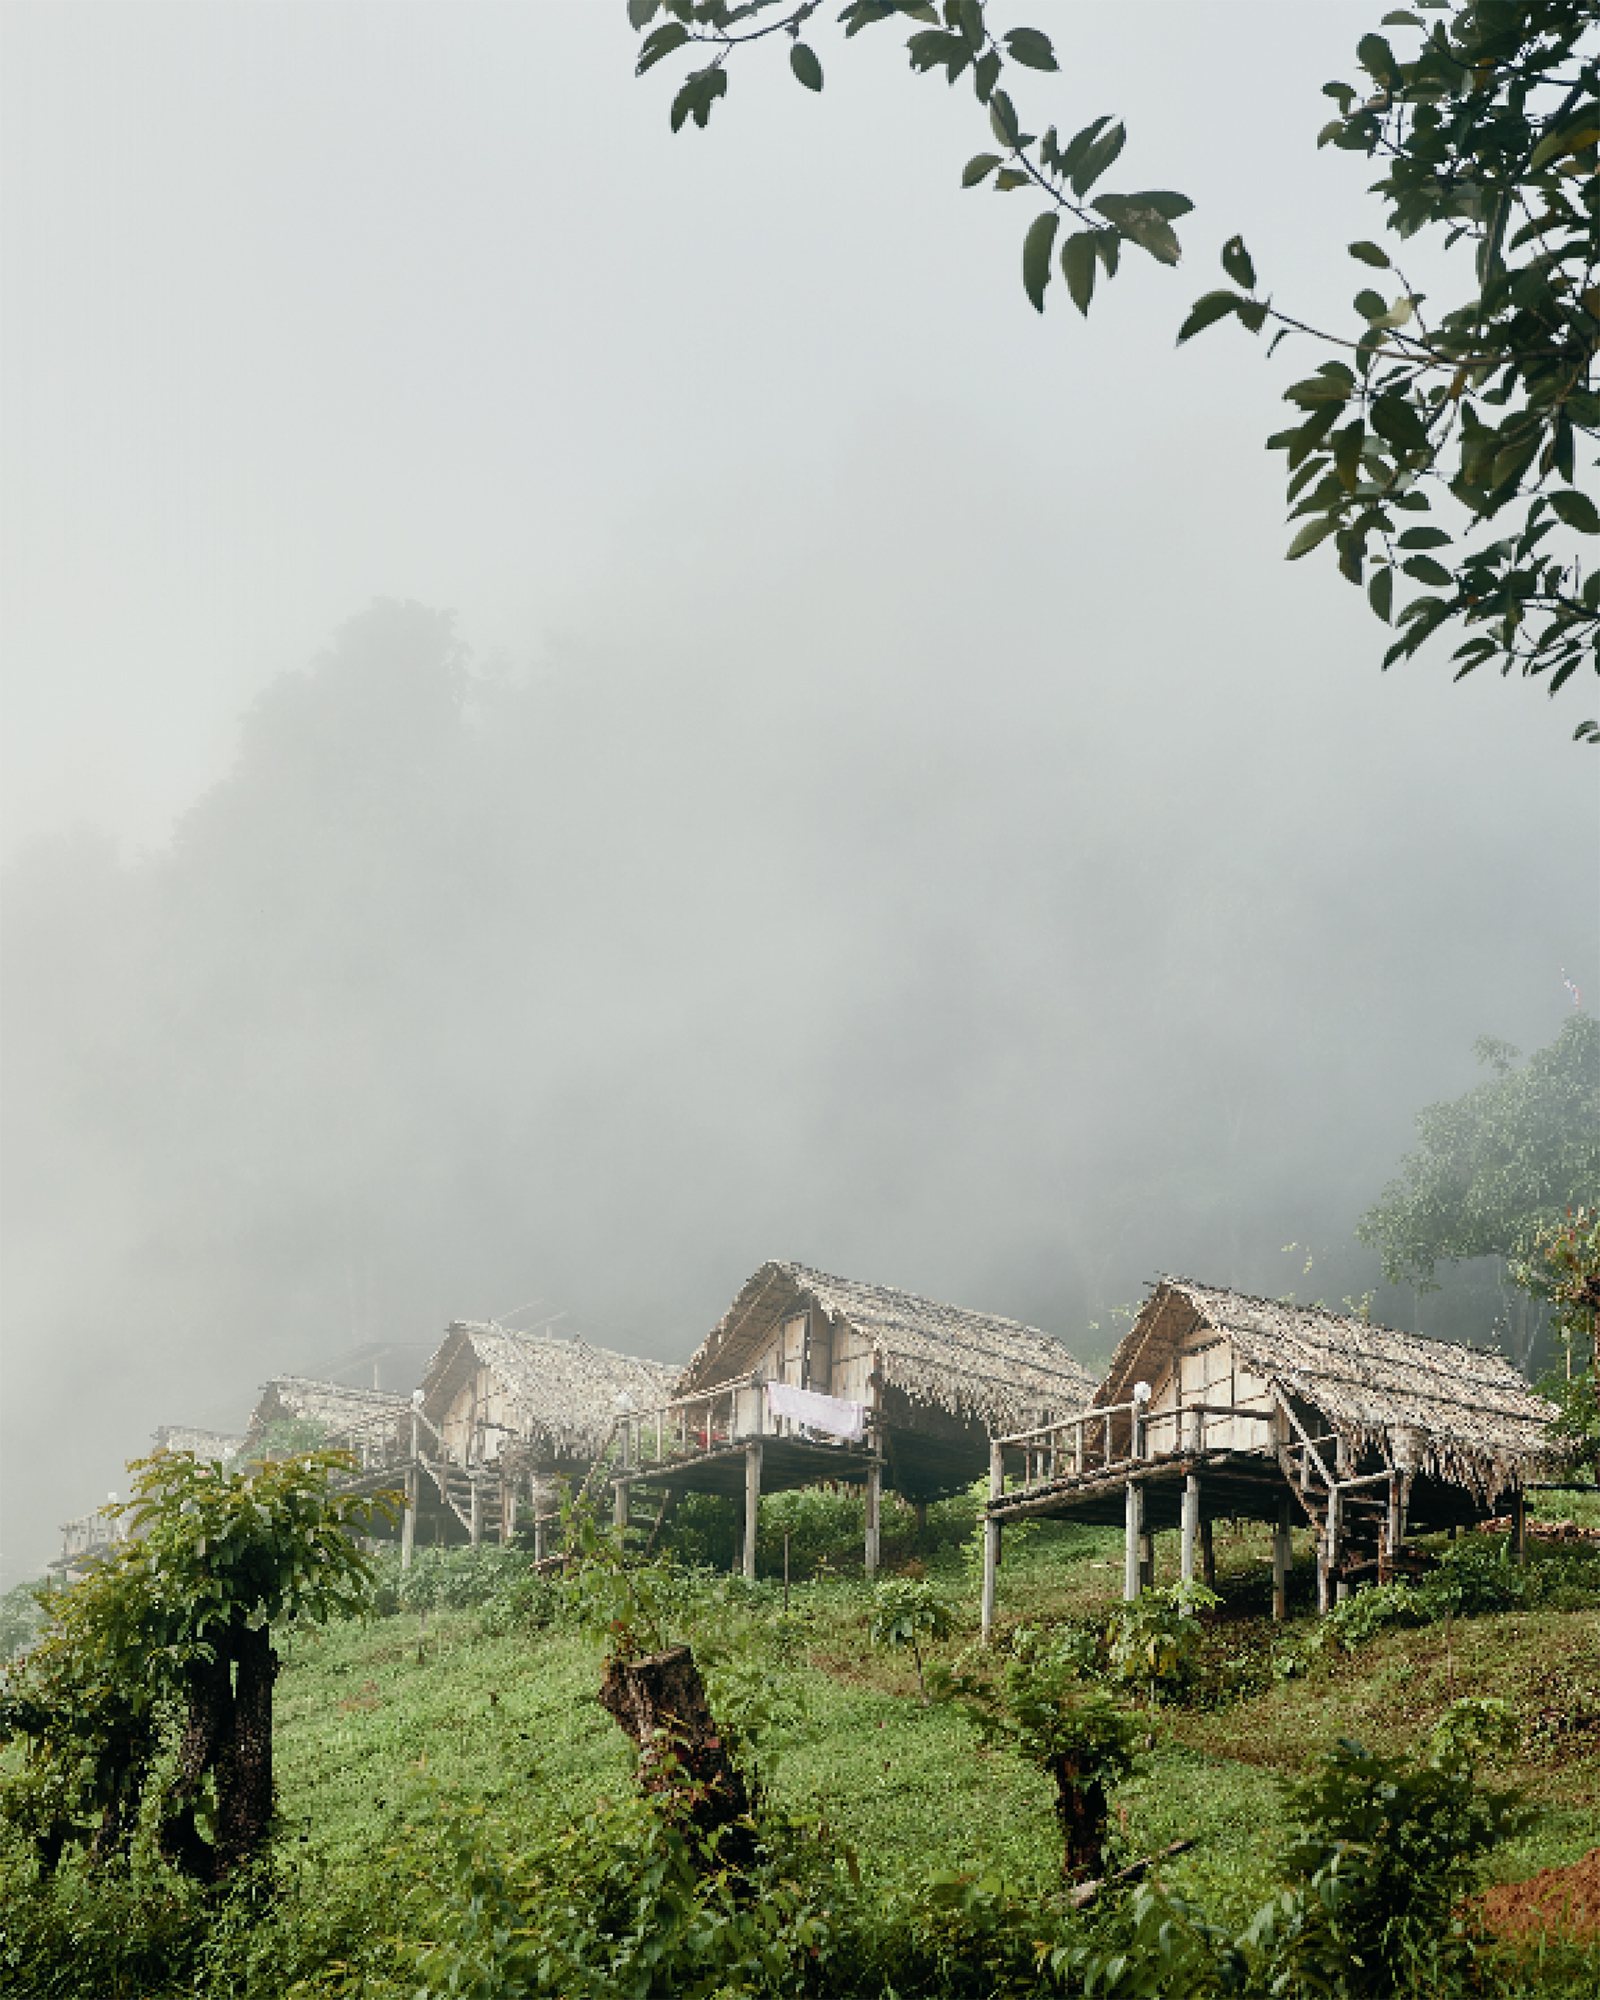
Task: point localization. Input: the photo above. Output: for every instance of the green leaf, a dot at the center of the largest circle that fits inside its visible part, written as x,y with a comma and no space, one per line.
1003,119
1142,224
1078,260
803,62
1036,248
1313,532
642,12
979,168
1377,58
1380,593
1371,305
1097,155
969,18
1426,570
1206,312
669,36
1028,47
1578,511
1397,420
1424,538
1369,253
1570,139
1236,262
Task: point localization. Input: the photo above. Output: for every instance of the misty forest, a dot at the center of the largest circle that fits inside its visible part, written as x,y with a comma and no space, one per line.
801,1194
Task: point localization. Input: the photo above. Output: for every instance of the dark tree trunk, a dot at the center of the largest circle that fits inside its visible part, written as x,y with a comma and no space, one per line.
207,1727
227,1736
120,1818
660,1701
244,1777
1082,1811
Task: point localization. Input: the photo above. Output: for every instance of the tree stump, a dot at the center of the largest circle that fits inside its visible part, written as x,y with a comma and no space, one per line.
660,1702
1081,1811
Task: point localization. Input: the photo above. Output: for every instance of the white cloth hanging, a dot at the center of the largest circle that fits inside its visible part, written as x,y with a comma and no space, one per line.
834,1414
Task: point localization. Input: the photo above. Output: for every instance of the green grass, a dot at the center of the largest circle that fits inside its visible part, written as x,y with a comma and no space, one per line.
379,1725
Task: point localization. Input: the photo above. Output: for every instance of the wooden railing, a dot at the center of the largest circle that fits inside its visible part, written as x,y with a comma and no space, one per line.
1088,1444
722,1418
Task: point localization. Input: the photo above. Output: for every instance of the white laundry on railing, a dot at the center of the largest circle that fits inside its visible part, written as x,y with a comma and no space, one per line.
834,1414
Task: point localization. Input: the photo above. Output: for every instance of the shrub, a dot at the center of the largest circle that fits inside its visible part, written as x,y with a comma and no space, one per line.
1385,1853
1154,1641
906,1613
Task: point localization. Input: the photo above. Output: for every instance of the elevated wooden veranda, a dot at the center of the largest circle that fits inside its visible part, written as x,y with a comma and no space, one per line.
1157,1470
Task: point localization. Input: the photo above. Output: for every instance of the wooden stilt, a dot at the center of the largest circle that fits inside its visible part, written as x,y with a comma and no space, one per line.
408,1521
991,1541
619,1504
1133,1519
508,1511
1191,1527
1519,1529
477,1511
1281,1547
752,1506
874,1498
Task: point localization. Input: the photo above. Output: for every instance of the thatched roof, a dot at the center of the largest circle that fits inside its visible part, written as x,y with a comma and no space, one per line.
561,1395
333,1404
204,1444
972,1365
1456,1413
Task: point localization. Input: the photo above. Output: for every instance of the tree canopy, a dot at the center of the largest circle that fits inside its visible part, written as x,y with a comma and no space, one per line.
1438,448
1497,1166
177,1623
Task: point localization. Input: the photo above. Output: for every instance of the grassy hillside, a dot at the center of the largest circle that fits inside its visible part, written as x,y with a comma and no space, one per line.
392,1734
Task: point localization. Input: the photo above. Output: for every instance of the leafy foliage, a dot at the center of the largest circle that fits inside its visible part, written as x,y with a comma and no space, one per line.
1080,1737
22,1612
179,1618
1563,1265
1154,1640
1499,1167
1387,1850
1487,137
908,1613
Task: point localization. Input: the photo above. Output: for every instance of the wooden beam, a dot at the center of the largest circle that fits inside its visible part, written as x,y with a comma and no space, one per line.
991,1539
1191,1527
752,1505
874,1498
1133,1517
1281,1547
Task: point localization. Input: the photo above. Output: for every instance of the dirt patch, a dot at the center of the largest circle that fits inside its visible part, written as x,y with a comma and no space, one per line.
1556,1899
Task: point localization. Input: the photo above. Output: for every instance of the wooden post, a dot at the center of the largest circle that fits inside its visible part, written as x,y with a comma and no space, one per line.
408,1521
619,1504
508,1511
1077,1446
1280,1565
477,1509
991,1539
752,1505
538,1521
1334,1587
1519,1528
874,1497
1133,1512
1191,1526
1208,1555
